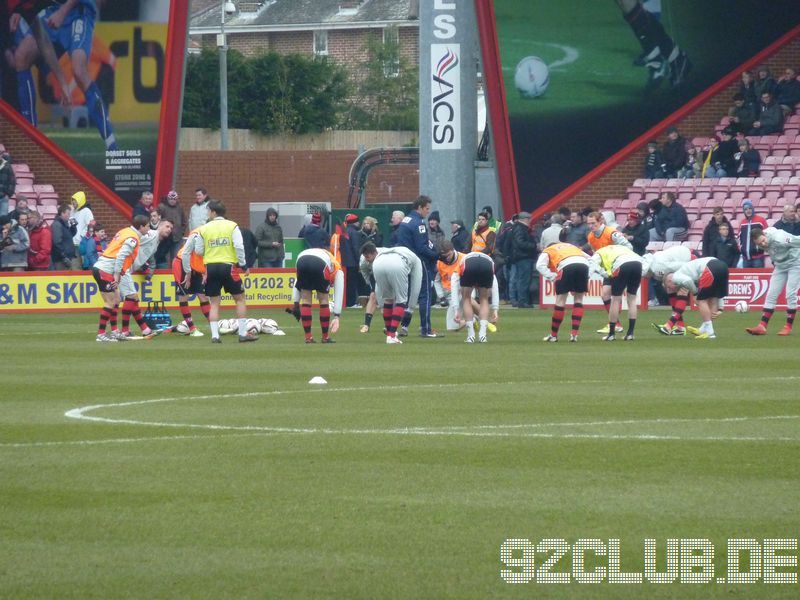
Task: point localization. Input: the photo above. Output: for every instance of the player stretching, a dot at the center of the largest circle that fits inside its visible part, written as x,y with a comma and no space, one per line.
398,279
222,248
624,268
188,271
130,307
601,235
316,270
475,273
116,260
568,266
449,262
657,266
784,251
707,279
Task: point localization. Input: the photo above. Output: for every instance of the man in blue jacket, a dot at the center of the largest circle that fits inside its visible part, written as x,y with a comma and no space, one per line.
413,234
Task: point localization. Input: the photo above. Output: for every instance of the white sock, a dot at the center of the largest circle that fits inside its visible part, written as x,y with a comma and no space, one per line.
242,327
214,328
484,324
707,327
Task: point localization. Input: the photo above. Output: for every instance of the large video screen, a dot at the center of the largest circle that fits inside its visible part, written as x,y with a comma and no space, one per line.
90,76
596,100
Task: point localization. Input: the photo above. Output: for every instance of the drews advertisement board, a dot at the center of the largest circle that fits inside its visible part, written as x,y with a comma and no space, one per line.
592,299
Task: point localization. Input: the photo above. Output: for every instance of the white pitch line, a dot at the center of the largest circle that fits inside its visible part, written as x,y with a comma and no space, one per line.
167,438
463,431
571,54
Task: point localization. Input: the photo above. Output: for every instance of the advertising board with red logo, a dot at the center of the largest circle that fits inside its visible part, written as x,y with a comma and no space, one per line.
592,299
751,286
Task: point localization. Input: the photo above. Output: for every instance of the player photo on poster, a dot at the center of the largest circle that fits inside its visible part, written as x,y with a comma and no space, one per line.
584,78
88,74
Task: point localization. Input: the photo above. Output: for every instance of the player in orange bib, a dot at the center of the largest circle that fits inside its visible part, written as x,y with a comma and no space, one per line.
115,261
449,262
568,266
601,235
188,270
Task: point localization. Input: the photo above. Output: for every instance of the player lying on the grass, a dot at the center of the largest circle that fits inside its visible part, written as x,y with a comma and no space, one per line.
476,272
601,235
623,267
784,251
188,271
116,260
568,266
660,264
398,278
707,279
316,270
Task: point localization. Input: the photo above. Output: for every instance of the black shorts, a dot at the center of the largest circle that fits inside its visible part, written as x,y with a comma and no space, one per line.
223,275
573,278
196,285
311,274
478,272
104,280
628,277
713,281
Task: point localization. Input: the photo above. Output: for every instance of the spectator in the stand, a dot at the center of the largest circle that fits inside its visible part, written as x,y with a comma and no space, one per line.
171,210
726,152
764,82
350,251
770,117
747,88
693,169
636,232
674,153
435,233
712,166
198,214
82,215
370,232
653,162
551,234
787,92
493,223
788,221
646,216
92,245
724,247
752,255
748,160
711,232
144,205
250,244
41,243
65,255
671,222
483,236
577,231
269,236
155,219
21,207
8,182
459,236
15,244
394,222
523,257
742,114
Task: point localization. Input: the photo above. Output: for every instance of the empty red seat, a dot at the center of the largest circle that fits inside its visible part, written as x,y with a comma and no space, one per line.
44,187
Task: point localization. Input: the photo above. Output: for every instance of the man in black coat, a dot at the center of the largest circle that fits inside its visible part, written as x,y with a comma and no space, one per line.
524,249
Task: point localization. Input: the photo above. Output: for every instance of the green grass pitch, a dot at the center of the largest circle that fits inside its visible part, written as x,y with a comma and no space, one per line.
217,471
